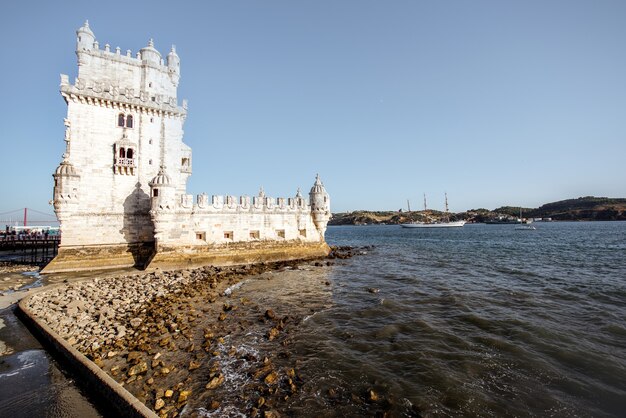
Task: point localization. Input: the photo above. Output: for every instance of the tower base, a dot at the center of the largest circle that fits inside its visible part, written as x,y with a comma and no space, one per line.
143,255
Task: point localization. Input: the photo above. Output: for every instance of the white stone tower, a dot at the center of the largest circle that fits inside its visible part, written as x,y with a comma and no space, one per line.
123,123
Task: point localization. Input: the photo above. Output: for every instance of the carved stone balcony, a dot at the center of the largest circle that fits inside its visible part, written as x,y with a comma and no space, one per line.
125,166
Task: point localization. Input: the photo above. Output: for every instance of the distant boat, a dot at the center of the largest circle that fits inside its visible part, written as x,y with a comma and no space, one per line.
438,224
523,226
433,224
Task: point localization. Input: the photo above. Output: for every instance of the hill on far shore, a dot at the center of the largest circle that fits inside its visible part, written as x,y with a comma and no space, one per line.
587,208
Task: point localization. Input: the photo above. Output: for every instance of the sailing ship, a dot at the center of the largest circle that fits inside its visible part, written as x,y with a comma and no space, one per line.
523,226
446,223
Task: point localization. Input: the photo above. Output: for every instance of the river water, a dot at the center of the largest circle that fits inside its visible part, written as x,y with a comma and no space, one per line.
480,320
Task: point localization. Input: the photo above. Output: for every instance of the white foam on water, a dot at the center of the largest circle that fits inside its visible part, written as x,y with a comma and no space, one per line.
225,411
234,287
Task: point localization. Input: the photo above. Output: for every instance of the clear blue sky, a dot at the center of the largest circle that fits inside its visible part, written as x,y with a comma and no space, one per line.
494,102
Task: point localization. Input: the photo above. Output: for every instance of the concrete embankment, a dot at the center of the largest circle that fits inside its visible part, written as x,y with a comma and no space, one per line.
110,393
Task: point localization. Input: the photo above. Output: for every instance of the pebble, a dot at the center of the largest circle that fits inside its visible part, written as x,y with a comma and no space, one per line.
160,403
138,369
273,333
183,395
373,396
215,382
271,378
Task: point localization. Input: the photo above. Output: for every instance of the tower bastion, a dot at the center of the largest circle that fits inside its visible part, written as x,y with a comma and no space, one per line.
120,191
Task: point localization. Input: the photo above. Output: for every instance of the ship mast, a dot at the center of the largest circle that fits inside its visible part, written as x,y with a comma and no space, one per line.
425,209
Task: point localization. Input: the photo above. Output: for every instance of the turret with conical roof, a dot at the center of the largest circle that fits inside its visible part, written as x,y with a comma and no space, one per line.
320,205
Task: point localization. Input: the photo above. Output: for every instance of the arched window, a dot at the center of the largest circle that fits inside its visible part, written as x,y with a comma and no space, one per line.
120,120
129,153
129,121
155,192
122,153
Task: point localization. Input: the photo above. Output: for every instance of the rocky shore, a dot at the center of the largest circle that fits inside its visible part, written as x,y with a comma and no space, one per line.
162,335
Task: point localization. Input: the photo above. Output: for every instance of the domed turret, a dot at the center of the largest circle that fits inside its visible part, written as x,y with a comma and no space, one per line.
66,182
150,55
161,179
65,169
162,191
320,205
85,38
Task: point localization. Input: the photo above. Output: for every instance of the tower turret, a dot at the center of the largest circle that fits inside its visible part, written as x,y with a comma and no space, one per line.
162,195
84,38
150,55
66,181
173,65
320,205
162,191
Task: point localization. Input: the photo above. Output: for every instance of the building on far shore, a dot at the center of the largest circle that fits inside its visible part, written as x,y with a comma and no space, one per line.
120,191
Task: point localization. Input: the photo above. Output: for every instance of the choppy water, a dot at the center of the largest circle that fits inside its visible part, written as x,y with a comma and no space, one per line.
481,320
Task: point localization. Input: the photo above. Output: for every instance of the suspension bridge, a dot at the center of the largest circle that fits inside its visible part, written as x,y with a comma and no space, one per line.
25,217
18,241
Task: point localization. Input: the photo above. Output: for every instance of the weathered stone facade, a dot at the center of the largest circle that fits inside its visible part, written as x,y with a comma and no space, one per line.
120,191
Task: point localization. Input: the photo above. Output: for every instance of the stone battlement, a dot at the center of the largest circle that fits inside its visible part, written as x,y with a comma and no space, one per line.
231,203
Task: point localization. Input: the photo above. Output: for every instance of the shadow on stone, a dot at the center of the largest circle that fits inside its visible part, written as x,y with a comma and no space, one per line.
138,229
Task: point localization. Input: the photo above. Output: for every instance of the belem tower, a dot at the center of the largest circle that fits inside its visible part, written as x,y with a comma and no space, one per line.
120,190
